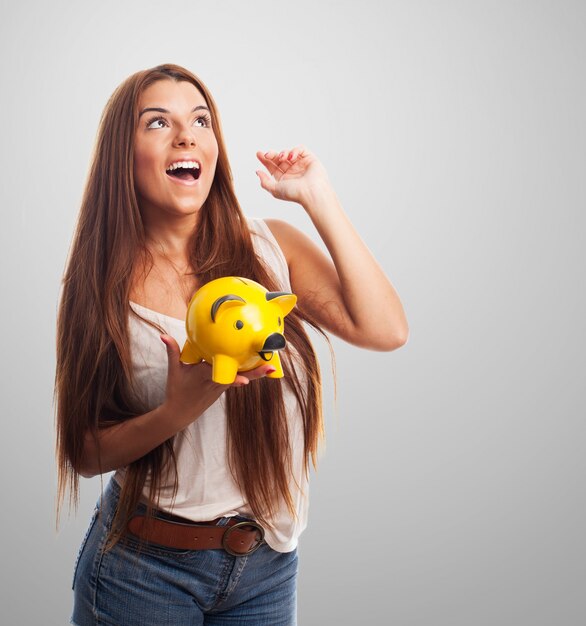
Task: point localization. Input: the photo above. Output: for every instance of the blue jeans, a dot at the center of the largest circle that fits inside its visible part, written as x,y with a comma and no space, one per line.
161,586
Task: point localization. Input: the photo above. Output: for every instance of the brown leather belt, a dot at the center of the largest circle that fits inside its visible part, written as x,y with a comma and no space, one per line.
237,538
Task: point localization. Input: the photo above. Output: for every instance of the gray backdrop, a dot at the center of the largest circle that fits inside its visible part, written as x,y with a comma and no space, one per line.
451,488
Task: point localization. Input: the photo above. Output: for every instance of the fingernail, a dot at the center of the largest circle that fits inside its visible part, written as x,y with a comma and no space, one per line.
271,370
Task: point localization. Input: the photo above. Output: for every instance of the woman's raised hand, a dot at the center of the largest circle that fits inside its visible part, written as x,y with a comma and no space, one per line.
295,174
190,388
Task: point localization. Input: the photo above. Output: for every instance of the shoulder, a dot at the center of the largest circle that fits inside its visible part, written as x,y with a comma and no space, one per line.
300,252
291,240
269,250
279,228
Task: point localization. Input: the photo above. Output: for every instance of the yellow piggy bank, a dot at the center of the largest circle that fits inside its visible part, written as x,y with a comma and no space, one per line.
236,325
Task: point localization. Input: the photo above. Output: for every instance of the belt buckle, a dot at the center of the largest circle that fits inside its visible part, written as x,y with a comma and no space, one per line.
240,524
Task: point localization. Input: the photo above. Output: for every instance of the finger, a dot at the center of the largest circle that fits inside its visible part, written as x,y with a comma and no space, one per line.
272,164
258,372
287,158
240,381
266,182
173,351
283,164
268,163
284,158
299,152
296,153
278,159
286,161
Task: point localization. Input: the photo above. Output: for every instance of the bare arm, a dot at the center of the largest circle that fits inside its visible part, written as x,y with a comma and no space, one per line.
190,391
349,294
123,443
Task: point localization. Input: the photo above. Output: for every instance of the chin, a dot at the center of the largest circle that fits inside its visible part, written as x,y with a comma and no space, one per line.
190,210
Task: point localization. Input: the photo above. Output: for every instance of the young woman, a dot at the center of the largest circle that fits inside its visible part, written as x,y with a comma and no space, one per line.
199,523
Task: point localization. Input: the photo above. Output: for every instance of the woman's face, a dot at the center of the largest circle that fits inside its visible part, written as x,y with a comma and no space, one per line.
174,136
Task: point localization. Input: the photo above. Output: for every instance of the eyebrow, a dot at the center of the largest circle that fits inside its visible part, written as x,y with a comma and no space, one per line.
161,110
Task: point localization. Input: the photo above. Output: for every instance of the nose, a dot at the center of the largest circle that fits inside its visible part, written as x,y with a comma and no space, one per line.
184,137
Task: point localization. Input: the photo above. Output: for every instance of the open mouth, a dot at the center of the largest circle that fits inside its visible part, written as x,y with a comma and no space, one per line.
265,355
184,172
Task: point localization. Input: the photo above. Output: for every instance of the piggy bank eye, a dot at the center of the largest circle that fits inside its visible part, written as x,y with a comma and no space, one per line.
279,321
238,324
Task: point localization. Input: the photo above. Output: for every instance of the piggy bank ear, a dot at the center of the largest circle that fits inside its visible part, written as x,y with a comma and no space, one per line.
225,302
285,301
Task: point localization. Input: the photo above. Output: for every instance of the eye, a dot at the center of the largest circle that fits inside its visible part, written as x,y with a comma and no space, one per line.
154,120
205,120
279,321
238,324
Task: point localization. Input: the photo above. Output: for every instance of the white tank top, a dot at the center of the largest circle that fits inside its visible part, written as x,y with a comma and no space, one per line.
207,489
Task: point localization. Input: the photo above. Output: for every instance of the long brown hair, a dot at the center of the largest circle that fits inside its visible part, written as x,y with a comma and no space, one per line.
94,377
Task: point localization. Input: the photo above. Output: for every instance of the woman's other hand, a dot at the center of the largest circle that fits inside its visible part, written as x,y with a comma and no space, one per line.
295,175
190,388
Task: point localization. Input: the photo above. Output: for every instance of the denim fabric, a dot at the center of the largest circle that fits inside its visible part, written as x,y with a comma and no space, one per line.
161,586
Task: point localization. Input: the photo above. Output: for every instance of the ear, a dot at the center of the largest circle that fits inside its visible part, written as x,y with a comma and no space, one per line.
285,301
226,302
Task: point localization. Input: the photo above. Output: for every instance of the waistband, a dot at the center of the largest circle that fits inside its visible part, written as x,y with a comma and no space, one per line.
238,535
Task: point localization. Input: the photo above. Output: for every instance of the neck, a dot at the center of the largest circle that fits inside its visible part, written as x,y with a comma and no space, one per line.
169,235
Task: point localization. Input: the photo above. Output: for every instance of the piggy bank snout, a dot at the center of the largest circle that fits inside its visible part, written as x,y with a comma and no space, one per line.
274,341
